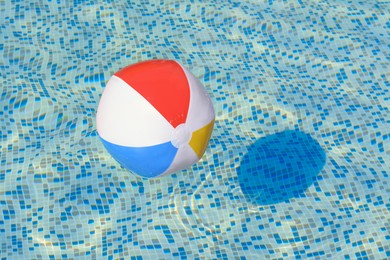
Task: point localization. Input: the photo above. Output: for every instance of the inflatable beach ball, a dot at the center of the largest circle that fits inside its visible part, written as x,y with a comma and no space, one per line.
155,117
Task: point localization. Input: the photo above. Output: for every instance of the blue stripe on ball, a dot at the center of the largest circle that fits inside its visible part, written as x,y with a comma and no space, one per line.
149,161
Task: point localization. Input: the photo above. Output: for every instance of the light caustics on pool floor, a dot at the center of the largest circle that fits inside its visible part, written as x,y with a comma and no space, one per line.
298,162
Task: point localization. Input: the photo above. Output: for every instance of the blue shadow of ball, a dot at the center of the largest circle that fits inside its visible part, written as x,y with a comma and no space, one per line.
279,167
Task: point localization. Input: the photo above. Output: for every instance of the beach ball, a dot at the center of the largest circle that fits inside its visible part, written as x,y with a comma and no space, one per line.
155,118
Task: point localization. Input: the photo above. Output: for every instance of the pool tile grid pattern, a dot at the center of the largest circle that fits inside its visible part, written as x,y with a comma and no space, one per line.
314,76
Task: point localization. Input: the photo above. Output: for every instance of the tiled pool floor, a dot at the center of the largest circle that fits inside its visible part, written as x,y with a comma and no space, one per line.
298,163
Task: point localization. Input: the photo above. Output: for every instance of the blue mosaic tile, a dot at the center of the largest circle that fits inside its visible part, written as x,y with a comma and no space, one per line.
297,167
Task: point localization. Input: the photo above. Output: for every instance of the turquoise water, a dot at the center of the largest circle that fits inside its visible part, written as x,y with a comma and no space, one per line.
298,163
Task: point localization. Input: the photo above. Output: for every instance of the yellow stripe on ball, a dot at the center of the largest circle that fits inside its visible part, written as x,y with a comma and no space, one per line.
200,139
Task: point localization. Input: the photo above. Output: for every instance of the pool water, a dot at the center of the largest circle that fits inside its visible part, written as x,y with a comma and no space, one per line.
298,162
